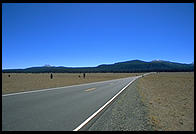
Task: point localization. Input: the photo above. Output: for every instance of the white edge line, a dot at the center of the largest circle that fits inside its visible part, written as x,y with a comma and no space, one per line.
100,109
47,89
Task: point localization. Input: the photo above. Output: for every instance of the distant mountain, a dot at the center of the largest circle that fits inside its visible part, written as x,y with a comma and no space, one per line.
47,65
120,67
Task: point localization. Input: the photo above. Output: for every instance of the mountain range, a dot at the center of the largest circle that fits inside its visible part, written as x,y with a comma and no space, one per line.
119,67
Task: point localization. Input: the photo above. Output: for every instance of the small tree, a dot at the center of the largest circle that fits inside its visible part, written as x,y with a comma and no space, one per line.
51,76
8,75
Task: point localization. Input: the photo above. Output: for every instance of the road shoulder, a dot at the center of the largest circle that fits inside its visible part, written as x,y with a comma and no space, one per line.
126,113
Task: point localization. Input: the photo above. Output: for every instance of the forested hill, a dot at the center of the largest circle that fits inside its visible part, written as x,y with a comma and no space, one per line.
120,67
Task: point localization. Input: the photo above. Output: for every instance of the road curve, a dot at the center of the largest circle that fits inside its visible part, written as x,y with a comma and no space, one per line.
61,109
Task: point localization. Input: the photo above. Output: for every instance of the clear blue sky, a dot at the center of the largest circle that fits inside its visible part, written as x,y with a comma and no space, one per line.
79,34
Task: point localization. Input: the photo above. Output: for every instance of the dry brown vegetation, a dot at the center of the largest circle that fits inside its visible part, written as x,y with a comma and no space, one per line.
170,99
18,82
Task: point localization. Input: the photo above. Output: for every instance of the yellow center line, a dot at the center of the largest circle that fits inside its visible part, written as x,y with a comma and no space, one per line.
90,89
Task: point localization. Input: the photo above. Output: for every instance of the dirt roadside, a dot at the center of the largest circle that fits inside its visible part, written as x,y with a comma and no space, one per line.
126,113
18,82
170,100
157,102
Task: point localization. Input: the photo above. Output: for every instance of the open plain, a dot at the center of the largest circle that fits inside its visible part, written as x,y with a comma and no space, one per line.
19,82
58,109
170,100
158,102
165,100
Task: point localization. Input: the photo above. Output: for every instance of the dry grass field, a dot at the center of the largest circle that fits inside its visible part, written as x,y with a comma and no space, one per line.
170,99
18,82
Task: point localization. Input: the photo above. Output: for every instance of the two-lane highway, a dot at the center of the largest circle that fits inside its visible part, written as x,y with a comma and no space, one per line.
57,109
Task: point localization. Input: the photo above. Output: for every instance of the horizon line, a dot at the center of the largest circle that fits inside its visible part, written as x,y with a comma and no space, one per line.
96,65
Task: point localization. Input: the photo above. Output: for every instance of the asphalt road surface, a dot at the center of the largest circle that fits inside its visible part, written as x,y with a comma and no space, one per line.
61,109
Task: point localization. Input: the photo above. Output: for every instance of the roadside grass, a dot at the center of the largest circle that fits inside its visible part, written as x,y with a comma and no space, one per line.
170,100
18,82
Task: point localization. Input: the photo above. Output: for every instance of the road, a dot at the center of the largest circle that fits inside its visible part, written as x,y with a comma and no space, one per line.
61,109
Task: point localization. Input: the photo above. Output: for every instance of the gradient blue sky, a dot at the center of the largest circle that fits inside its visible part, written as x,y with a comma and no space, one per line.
79,34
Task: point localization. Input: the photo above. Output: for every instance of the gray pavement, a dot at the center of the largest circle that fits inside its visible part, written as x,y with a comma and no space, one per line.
127,113
59,109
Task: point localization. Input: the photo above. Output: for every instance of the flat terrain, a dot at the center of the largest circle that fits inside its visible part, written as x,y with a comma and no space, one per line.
126,113
58,109
170,100
160,102
18,82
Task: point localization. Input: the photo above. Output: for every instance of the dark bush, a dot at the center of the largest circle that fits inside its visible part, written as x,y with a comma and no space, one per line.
51,76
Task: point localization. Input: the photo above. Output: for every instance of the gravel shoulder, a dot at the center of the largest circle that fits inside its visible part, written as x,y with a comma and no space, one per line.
157,102
126,113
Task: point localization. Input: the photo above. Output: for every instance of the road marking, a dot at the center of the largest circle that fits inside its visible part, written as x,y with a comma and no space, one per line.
90,89
48,89
100,109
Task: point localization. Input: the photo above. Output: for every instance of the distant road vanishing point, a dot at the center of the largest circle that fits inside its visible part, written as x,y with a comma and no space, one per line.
58,109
